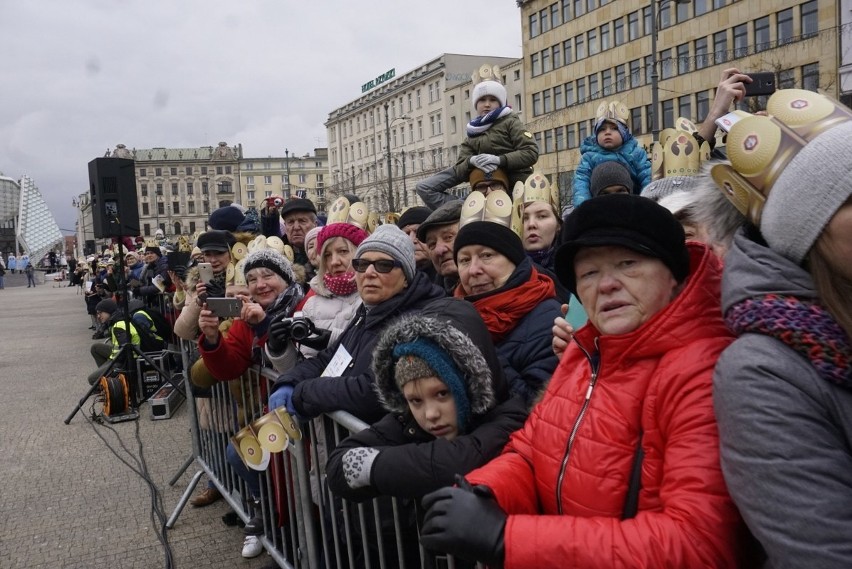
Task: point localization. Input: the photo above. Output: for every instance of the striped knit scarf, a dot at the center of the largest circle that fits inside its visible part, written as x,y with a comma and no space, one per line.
805,326
480,124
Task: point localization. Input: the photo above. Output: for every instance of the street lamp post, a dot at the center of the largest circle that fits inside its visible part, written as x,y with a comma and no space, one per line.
388,123
655,77
287,165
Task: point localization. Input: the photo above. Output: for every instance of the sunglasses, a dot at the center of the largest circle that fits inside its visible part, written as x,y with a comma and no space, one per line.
381,265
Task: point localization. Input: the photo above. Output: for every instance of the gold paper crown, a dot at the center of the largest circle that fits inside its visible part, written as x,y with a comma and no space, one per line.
486,72
496,208
357,214
677,152
183,244
271,433
536,188
760,147
613,111
152,242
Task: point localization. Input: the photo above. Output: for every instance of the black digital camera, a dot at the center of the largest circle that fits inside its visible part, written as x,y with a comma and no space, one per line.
301,328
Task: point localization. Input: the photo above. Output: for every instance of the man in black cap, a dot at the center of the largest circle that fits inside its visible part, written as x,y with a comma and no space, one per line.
439,233
299,216
108,314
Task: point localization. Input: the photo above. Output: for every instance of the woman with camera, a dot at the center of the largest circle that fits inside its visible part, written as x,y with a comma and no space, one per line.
388,285
333,297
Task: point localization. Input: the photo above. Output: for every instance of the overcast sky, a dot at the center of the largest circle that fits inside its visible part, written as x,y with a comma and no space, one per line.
81,76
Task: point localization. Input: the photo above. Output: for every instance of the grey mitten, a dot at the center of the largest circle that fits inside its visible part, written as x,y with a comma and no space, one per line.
357,463
487,162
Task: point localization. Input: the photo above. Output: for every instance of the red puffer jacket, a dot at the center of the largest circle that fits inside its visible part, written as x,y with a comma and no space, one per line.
563,478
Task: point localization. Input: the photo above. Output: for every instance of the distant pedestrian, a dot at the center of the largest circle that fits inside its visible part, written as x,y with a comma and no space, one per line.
30,271
2,273
12,263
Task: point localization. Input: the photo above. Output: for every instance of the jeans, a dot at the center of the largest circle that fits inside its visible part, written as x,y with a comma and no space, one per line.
432,190
30,280
249,476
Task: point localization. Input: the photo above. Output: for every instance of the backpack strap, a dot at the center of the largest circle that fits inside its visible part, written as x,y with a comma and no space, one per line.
631,501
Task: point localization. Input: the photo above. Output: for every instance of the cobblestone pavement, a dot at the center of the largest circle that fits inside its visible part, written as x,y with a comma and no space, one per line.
66,501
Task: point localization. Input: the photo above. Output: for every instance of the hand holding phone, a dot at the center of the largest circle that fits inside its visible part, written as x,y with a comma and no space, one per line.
762,83
205,272
225,307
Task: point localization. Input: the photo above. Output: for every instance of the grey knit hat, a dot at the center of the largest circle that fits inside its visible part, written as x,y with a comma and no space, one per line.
391,240
808,193
272,260
609,173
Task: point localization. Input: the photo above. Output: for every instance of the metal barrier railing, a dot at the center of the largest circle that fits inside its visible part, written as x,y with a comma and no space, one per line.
304,524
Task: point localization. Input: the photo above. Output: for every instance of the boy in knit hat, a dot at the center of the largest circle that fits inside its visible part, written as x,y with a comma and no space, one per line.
611,178
611,140
496,138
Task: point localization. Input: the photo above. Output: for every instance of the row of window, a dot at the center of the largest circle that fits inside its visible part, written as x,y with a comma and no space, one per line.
175,209
188,170
300,164
678,60
368,147
146,228
373,118
612,34
572,135
303,179
564,11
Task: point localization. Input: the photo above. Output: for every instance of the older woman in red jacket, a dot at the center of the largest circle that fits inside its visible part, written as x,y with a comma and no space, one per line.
618,465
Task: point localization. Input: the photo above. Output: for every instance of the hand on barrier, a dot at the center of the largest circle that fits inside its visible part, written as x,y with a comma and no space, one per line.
357,465
465,522
283,397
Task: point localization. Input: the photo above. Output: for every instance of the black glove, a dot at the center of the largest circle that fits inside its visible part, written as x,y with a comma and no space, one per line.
465,522
214,290
279,335
319,341
180,271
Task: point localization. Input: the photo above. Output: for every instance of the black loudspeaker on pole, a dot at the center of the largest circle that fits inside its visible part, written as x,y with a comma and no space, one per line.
112,186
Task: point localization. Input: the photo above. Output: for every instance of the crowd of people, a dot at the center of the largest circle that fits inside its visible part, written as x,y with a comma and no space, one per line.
656,376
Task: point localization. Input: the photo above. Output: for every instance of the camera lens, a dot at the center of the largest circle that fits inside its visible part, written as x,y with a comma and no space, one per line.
300,329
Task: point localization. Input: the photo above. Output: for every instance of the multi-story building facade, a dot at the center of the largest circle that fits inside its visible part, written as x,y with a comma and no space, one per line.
26,223
286,176
578,53
422,113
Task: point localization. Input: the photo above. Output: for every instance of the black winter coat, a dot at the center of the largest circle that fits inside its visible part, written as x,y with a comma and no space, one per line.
353,392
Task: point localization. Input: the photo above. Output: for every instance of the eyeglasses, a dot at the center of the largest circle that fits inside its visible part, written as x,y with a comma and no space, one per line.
381,265
494,185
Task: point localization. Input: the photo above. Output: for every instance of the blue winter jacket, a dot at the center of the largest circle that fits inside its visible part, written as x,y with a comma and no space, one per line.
630,154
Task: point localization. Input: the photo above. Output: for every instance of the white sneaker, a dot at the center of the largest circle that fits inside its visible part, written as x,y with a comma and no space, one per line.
252,547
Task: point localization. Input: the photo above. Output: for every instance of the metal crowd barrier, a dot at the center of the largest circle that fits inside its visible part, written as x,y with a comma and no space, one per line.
305,525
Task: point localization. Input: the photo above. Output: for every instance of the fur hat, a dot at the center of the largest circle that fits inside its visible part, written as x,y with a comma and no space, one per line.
346,230
477,176
610,173
107,305
413,216
390,240
492,88
624,220
448,326
226,218
447,214
272,260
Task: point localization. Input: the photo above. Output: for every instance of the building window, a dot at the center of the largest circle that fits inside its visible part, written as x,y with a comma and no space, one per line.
191,227
555,16
741,40
548,141
666,64
579,8
204,170
176,208
543,22
683,12
418,98
204,188
701,58
784,29
718,4
810,24
636,120
227,169
144,188
582,130
635,78
536,102
557,56
547,101
145,210
545,61
633,26
579,47
668,113
560,138
720,46
702,105
558,98
665,15
147,229
190,207
620,78
761,34
592,36
581,90
606,82
684,107
700,7
683,58
174,189
303,178
787,79
219,170
572,136
142,172
810,76
161,208
618,25
567,52
535,64
606,39
594,90
173,171
268,180
569,94
566,11
250,165
646,22
189,188
649,67
158,171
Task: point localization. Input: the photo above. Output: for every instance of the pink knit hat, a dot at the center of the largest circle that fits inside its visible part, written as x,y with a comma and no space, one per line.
346,230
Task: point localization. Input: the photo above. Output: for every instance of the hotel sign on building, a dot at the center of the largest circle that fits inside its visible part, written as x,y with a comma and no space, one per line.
386,76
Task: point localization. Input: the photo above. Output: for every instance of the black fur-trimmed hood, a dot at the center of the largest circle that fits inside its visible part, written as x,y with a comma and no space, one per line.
457,328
